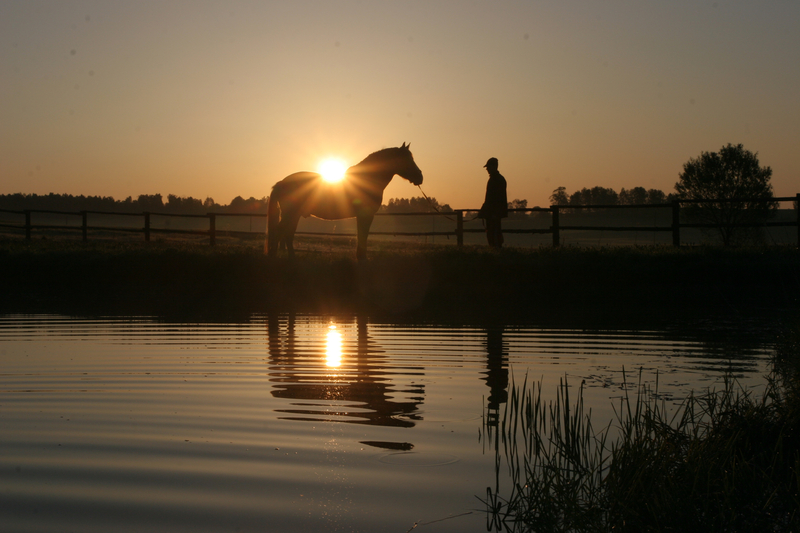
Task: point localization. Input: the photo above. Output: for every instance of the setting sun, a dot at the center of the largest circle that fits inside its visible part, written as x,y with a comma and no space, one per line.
332,170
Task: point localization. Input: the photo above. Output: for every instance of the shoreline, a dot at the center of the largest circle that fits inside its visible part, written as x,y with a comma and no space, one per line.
406,283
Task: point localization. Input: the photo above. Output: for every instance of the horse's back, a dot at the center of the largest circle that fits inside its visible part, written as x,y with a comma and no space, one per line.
311,195
299,179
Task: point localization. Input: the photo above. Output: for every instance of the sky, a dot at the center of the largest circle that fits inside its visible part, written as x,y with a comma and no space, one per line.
221,99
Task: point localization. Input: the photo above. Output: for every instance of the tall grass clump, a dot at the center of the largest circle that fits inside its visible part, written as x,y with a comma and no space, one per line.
555,459
726,460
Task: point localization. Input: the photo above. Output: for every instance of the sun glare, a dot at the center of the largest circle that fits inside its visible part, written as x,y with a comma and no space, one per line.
332,170
333,348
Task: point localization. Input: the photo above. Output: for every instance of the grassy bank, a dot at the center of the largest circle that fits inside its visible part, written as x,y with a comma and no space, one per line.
409,280
727,460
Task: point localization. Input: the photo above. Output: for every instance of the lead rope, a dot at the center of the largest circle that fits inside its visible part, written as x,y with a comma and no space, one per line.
435,208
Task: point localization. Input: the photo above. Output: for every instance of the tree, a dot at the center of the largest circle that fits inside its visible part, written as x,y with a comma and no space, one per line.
604,196
635,196
415,205
150,202
559,197
640,195
579,197
594,196
251,205
733,173
655,196
516,203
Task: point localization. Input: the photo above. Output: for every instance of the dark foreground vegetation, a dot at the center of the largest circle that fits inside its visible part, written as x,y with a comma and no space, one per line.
399,279
726,460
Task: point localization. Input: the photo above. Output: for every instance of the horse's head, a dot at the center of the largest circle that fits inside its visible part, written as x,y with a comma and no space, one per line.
406,167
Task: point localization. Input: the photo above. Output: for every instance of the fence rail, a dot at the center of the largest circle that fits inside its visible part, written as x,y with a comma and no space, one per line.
457,216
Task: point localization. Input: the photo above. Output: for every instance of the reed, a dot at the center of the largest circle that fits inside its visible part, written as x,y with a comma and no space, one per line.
726,460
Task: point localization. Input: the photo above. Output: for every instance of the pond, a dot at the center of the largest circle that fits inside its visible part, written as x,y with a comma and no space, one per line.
300,422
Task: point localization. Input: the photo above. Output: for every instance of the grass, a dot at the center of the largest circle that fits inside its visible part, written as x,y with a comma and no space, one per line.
405,280
725,461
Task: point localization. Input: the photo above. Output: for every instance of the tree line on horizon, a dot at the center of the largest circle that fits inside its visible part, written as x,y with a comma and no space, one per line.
608,196
144,202
156,203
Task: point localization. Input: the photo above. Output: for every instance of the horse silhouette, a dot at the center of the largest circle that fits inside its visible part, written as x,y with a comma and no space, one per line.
359,194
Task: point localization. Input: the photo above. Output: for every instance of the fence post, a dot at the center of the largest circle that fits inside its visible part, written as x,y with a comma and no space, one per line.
555,227
146,226
84,226
460,228
28,224
676,223
212,228
797,216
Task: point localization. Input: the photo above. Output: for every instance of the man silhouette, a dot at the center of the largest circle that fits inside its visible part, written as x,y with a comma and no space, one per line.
495,205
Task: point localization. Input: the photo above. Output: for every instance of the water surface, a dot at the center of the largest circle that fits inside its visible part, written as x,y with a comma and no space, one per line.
297,423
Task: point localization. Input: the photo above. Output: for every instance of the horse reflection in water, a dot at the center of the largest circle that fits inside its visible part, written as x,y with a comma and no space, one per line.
359,194
362,390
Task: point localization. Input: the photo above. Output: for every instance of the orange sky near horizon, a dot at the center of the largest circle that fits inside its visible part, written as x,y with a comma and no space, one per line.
223,99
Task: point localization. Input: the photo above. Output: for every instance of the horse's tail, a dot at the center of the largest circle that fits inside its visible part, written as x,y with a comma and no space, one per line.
273,219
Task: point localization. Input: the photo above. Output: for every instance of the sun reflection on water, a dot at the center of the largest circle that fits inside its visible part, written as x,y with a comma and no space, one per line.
333,348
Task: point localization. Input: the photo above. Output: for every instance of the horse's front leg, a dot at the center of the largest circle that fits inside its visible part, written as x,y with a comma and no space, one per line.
363,222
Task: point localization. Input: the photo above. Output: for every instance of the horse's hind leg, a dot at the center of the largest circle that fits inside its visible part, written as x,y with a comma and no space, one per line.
283,231
363,222
276,240
287,239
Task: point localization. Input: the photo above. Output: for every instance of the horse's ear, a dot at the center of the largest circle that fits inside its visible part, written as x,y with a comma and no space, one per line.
404,145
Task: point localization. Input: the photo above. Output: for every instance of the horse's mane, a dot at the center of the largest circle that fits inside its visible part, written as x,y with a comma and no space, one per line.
379,155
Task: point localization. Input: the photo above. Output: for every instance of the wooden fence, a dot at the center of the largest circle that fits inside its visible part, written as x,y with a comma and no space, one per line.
457,216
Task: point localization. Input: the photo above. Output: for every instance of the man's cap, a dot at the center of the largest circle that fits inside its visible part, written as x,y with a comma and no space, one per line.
491,162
